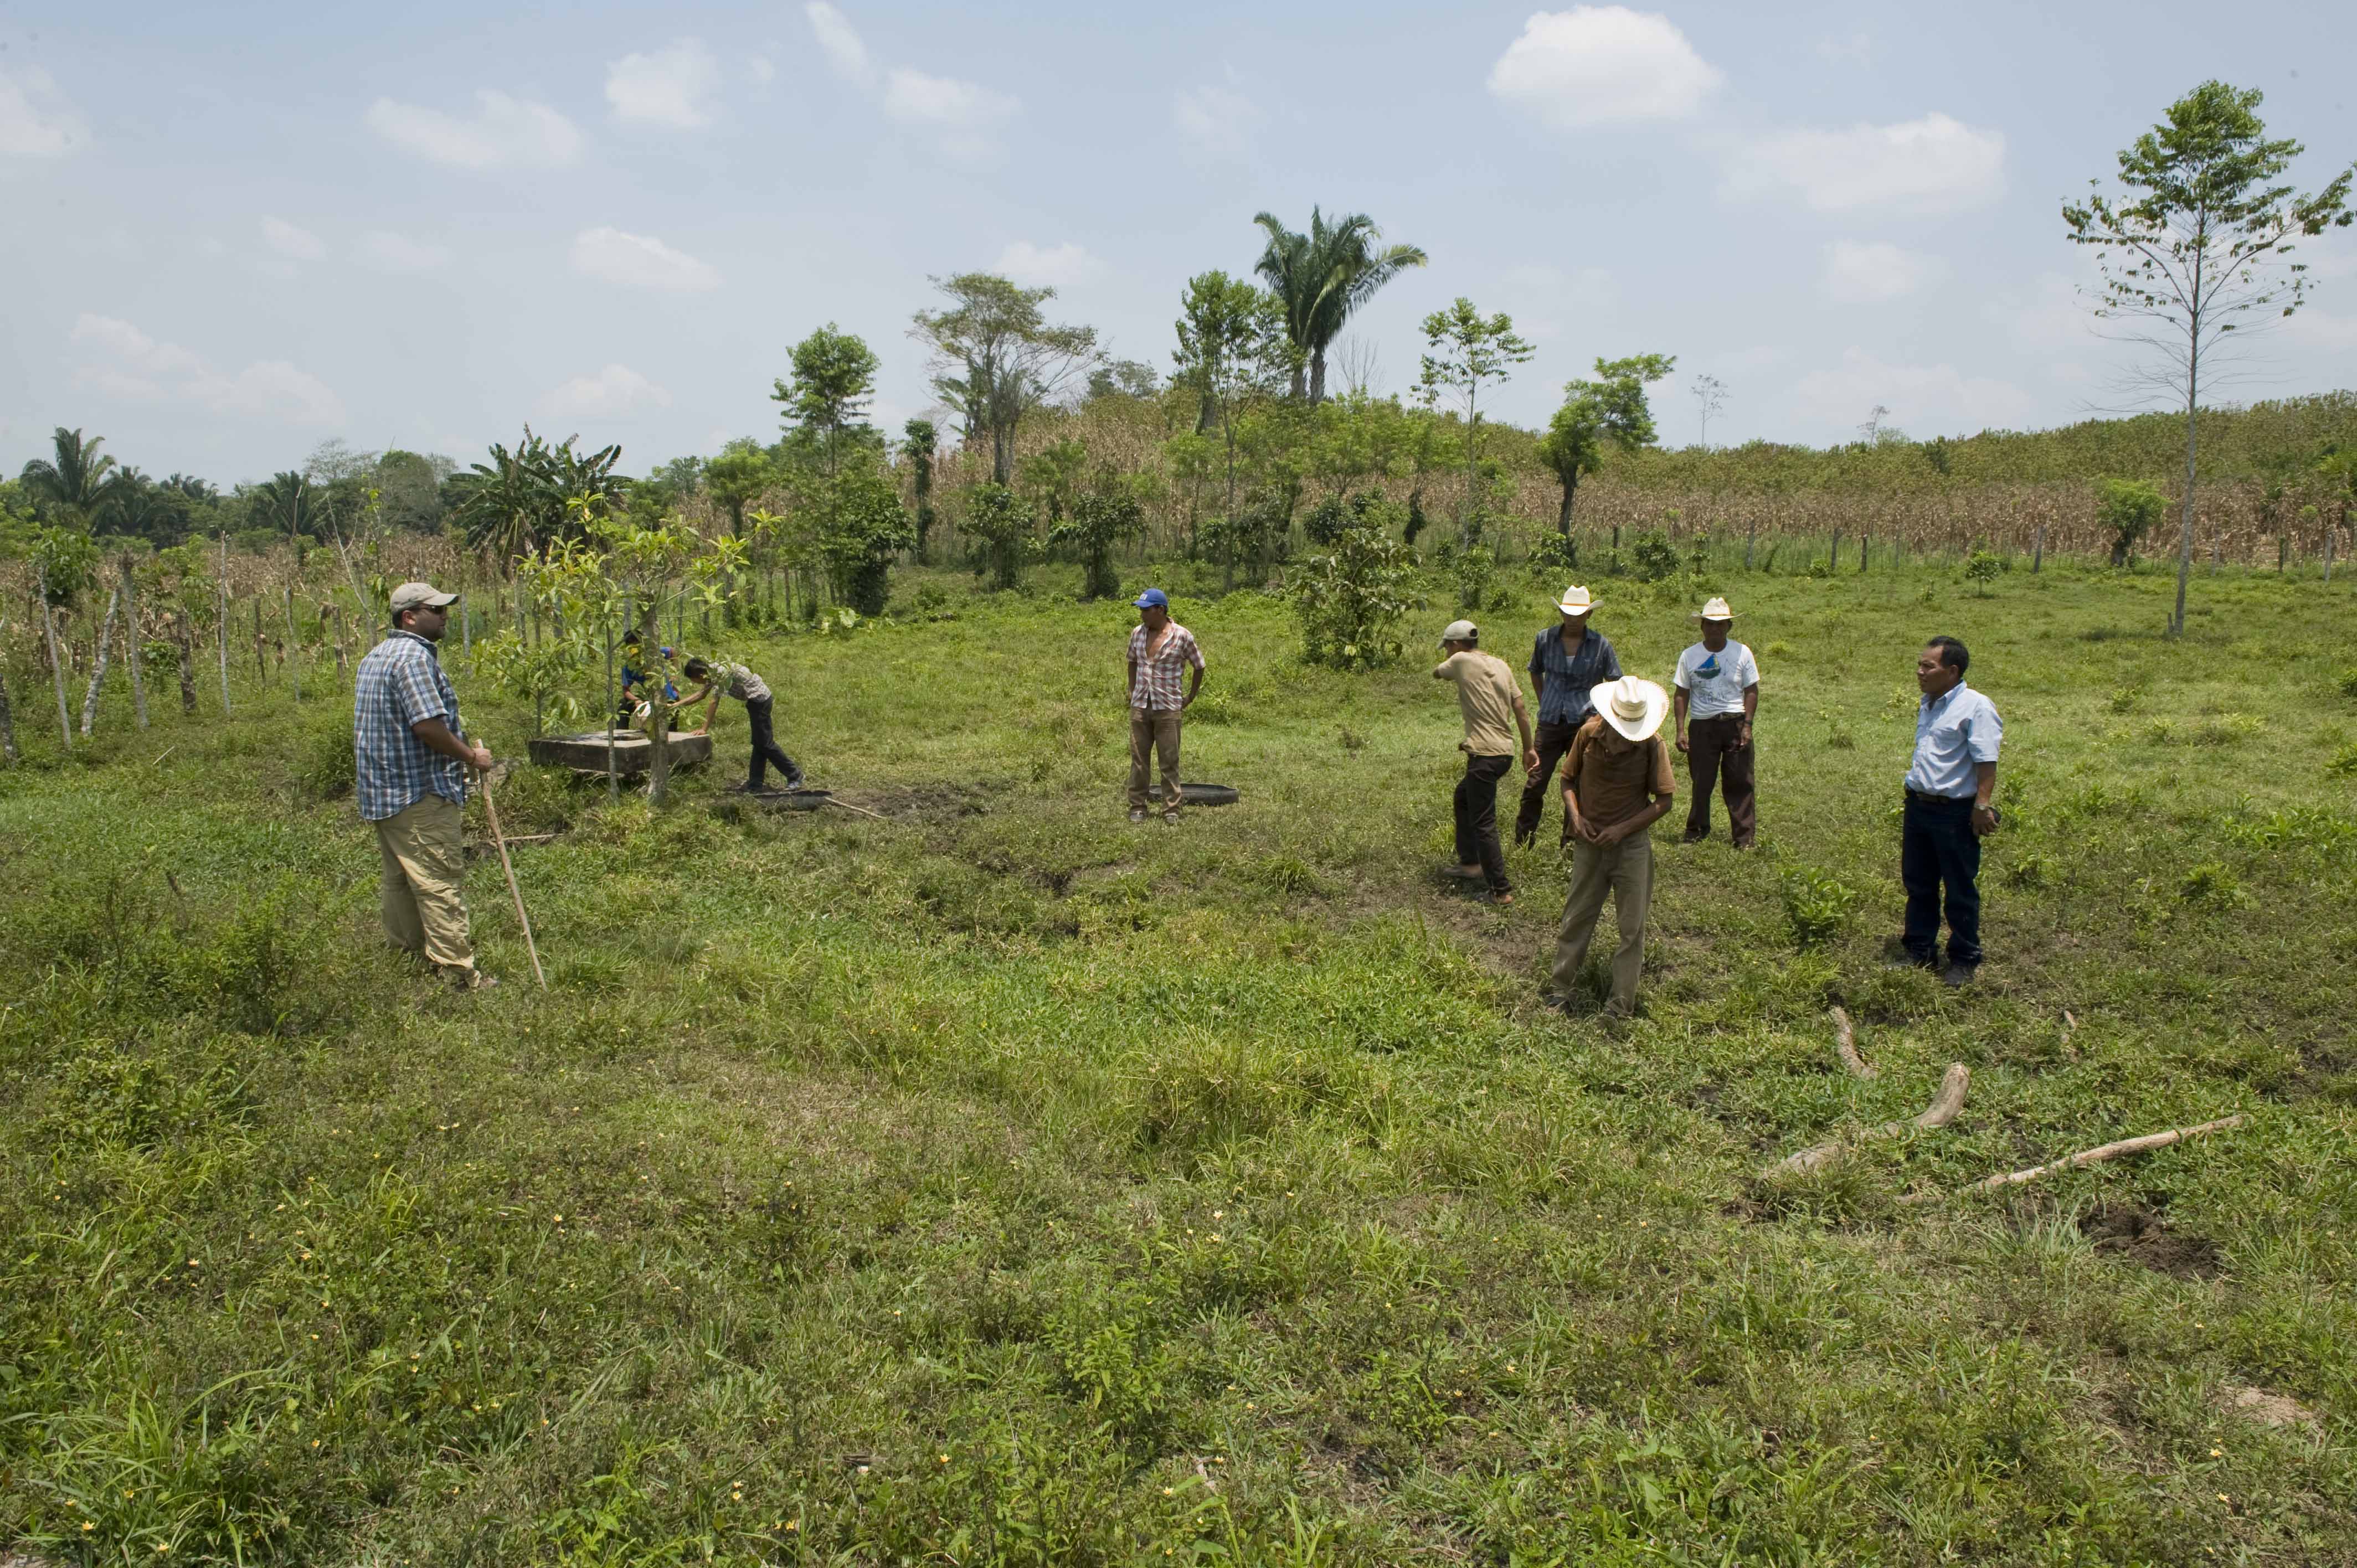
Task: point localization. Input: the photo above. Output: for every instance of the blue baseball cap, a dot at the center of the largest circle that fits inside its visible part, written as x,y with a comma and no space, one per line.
1152,599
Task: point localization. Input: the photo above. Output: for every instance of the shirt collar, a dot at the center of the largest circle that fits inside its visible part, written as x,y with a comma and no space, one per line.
1942,700
426,643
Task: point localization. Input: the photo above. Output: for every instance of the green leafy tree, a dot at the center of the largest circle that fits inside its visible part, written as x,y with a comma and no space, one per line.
2196,248
1003,521
918,442
739,475
73,478
1123,378
409,490
2127,510
1609,411
826,400
1349,600
1052,474
1464,351
1108,514
862,525
1232,347
523,502
1321,276
997,358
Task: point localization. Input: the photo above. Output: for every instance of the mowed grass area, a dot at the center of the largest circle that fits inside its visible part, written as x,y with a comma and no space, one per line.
1001,1182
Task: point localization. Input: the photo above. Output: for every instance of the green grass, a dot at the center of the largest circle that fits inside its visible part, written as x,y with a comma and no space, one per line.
1004,1183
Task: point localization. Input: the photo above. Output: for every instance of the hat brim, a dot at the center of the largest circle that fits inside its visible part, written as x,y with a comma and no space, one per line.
1578,610
1698,615
1657,707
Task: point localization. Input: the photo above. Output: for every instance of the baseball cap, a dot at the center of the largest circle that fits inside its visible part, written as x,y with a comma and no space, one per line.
411,596
1152,599
1460,631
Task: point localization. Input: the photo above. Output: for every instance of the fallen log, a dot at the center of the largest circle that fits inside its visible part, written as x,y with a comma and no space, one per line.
1845,1042
2096,1156
1943,1110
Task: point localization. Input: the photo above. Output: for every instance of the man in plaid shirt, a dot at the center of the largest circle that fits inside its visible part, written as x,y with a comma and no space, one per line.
410,775
1158,649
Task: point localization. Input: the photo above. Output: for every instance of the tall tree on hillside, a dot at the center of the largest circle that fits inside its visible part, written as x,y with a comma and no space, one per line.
738,474
1322,276
1608,412
834,378
998,357
75,477
1463,351
2195,248
1233,343
917,448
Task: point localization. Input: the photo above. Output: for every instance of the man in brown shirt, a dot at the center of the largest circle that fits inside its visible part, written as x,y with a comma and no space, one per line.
1616,782
1491,701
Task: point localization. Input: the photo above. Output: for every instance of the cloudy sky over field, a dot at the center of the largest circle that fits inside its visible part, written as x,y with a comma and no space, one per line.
235,229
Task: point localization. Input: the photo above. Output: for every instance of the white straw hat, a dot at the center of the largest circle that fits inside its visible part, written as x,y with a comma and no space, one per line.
1574,602
1714,610
1632,705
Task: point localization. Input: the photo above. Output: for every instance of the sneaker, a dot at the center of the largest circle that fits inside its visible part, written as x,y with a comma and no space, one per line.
1138,813
1896,954
796,782
1956,976
1502,900
468,979
1462,872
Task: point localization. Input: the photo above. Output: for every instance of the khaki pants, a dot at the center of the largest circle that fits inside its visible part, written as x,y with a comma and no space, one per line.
1154,731
1625,870
424,911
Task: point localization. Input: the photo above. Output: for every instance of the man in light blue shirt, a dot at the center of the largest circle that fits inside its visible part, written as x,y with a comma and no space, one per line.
1948,812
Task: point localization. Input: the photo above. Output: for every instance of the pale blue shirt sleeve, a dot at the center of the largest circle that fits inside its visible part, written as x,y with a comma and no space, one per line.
1983,731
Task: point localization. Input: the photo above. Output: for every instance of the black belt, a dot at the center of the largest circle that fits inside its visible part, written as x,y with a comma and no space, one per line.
1938,799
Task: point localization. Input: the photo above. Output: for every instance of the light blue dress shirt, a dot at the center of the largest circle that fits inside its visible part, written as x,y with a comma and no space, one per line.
1954,732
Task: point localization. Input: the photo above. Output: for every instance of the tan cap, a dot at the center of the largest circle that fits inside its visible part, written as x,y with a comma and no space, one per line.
415,596
1460,631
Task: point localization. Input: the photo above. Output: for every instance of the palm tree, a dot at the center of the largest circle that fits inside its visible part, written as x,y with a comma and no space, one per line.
515,505
78,477
1322,276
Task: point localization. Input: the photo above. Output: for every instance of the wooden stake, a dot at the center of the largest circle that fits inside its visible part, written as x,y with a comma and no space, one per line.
1939,1113
1845,1042
492,810
131,642
222,622
863,810
2096,1156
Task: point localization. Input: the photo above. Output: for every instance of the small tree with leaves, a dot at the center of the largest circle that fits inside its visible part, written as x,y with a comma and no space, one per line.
918,445
826,402
1608,412
1464,351
1105,515
1349,600
2195,248
1003,521
2127,510
861,526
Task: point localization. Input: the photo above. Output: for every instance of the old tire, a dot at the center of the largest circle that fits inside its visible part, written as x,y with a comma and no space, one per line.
1209,794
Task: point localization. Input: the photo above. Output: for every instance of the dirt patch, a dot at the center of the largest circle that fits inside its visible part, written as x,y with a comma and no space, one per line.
2267,1409
2140,1236
929,803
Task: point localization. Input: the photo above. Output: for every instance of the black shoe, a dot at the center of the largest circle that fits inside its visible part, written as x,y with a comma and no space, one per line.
741,789
1896,954
1956,976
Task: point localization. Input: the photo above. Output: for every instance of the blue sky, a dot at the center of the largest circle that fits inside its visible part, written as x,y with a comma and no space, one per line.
238,229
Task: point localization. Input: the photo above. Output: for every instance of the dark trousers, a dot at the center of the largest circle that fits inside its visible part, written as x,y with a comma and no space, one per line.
1553,741
765,748
1477,819
1714,758
1937,848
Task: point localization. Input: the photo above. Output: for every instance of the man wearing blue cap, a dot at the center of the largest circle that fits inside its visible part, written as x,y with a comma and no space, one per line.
1159,650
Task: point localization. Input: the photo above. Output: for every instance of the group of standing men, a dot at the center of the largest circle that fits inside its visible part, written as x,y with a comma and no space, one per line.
1601,727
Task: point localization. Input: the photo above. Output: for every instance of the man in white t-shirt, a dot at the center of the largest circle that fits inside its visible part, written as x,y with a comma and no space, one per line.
1718,687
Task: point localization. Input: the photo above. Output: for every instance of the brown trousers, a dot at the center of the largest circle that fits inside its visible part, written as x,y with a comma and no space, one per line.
1154,732
1713,758
422,898
1625,870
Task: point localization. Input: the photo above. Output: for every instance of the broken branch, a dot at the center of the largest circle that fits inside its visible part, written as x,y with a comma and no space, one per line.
2108,1152
1845,1042
1943,1110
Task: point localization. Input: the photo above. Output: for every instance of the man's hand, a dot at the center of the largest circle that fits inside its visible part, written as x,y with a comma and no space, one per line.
1681,740
480,755
1984,820
1531,760
1742,736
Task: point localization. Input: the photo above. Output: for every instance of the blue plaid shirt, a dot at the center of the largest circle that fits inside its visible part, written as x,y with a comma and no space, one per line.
1563,700
399,683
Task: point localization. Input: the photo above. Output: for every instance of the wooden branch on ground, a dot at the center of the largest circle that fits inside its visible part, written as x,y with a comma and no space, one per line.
863,810
2108,1152
1943,1110
1845,1042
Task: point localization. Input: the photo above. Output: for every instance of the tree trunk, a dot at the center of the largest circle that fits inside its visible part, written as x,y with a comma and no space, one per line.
293,646
613,780
7,722
2192,407
180,644
658,705
222,622
1563,513
131,642
1317,377
100,653
2038,552
57,670
1750,539
1001,453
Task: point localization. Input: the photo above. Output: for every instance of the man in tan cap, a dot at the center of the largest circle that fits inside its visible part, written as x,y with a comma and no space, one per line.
1566,661
1719,684
1490,697
1616,781
410,765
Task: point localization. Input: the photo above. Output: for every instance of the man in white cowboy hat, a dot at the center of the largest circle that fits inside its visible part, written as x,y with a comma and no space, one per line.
1719,684
1490,698
1616,782
1567,661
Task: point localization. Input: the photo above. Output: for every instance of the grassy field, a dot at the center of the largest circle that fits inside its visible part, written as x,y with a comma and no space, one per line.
1001,1182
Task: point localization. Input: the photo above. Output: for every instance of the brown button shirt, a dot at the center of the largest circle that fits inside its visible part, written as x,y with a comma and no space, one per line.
1616,781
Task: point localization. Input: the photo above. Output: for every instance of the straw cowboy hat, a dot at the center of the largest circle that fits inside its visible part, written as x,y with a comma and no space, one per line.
1714,610
1632,705
1574,602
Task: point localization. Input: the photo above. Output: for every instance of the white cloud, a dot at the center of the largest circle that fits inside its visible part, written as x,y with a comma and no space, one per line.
1874,271
1934,163
1922,398
36,121
1218,119
131,365
292,241
963,110
390,252
1596,65
1028,264
615,392
503,133
672,87
640,261
761,69
839,41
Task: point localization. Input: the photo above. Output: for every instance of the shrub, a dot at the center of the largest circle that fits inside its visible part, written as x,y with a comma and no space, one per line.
1817,907
1982,566
2343,764
1347,601
1100,520
1652,557
2128,508
1001,521
1473,568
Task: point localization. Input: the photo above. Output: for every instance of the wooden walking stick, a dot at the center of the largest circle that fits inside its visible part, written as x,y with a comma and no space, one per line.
490,809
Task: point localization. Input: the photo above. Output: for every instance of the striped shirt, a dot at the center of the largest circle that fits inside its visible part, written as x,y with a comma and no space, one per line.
1155,679
1563,698
737,681
399,683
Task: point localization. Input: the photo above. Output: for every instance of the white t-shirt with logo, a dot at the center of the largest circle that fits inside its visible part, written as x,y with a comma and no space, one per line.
1714,683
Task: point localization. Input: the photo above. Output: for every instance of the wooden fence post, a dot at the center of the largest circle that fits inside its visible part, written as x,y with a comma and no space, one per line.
222,621
1750,539
57,671
2037,551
